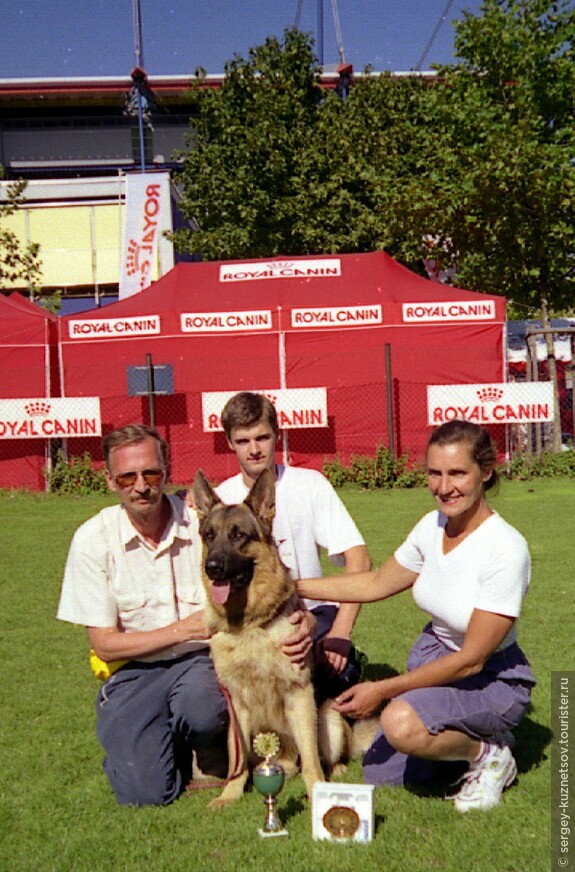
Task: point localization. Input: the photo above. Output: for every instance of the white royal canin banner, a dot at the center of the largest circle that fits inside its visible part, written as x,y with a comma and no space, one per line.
281,269
296,407
337,316
47,418
147,215
508,403
114,328
449,310
226,322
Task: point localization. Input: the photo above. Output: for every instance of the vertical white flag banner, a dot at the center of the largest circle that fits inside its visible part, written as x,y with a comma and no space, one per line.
147,215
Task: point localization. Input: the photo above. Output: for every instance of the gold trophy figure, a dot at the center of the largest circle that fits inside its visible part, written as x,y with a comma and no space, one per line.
268,780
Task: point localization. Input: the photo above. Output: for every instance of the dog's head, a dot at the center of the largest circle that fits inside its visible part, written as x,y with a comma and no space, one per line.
233,535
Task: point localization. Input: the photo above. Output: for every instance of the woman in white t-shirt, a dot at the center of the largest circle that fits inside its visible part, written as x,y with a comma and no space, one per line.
467,683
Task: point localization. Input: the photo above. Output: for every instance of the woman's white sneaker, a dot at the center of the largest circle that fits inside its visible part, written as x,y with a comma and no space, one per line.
486,779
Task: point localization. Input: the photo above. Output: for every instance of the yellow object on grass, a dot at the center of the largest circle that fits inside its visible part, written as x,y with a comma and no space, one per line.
101,668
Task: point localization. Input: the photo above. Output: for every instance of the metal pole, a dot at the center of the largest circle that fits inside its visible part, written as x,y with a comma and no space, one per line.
528,378
320,31
573,385
139,55
151,389
138,49
389,387
535,376
94,246
338,36
141,134
283,382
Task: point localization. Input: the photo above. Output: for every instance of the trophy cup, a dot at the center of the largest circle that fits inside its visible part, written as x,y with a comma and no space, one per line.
268,780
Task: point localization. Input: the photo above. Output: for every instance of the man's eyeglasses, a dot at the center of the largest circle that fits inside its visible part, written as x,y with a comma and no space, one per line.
152,477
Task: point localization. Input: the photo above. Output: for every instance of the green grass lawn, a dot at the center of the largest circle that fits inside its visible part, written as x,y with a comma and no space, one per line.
59,814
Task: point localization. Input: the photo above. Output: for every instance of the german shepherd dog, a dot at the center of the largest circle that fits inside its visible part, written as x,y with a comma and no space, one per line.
250,596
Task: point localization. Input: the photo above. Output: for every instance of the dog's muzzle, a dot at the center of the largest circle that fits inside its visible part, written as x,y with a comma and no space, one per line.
228,575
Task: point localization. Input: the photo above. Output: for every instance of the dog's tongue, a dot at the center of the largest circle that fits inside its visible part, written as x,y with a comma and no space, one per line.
220,593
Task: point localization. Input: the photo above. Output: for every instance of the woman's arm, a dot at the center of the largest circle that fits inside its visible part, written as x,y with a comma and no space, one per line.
357,559
484,634
333,650
359,587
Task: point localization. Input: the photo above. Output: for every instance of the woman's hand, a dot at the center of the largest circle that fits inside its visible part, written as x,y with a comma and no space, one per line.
361,700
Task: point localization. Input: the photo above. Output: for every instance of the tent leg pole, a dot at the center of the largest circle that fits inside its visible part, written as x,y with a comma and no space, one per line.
151,389
282,366
389,388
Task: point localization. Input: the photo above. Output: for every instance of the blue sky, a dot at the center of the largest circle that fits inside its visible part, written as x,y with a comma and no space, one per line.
52,38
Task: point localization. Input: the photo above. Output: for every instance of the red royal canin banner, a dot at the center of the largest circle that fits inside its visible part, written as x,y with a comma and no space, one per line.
147,215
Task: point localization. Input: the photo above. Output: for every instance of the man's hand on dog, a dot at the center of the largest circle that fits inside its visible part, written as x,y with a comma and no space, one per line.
298,645
193,627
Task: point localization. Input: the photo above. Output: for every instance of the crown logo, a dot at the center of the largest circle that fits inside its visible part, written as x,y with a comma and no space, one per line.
38,409
132,257
280,264
490,394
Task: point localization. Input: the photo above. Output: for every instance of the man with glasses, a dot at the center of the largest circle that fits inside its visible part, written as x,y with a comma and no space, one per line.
133,579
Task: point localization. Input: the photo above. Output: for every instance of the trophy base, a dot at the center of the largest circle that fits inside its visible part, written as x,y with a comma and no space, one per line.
266,835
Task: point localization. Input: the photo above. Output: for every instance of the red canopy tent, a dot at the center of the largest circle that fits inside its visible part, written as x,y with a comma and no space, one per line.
329,321
29,366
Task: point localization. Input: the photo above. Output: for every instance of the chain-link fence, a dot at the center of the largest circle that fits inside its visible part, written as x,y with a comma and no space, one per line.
539,437
358,420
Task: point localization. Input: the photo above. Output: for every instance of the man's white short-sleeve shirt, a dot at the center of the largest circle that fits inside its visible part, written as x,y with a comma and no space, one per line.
113,577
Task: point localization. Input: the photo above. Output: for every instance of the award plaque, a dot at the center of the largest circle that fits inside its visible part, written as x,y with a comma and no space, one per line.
343,812
341,821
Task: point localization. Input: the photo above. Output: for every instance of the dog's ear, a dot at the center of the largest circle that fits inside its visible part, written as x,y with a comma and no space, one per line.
204,495
262,498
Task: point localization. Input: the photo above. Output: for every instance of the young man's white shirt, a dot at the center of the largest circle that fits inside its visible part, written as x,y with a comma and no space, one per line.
309,516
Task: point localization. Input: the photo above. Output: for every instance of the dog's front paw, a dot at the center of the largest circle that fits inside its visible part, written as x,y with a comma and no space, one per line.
221,802
290,767
231,793
337,769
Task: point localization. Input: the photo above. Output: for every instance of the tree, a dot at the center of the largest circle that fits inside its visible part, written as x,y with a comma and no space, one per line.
51,302
365,158
280,166
18,263
481,160
511,104
507,213
241,179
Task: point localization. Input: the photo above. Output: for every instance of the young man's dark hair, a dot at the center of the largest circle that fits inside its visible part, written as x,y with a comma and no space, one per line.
246,409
